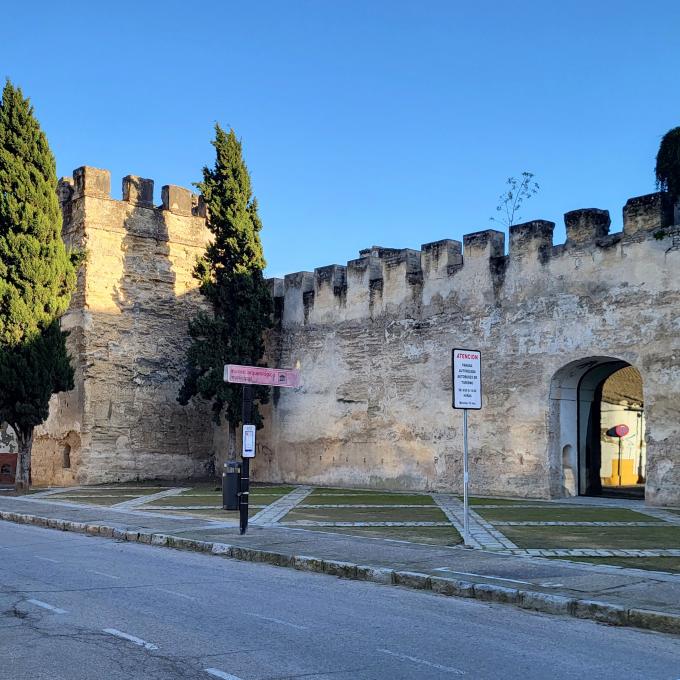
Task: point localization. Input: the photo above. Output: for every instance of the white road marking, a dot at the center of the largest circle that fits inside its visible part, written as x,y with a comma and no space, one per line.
103,573
279,621
44,605
130,638
48,559
423,662
220,674
173,592
493,578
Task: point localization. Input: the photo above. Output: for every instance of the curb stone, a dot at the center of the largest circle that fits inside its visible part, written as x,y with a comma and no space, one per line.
488,592
652,620
595,610
544,602
380,575
340,569
452,587
412,579
306,563
603,612
221,549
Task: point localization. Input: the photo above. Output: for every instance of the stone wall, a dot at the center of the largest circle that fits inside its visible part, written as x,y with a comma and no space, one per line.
128,336
373,340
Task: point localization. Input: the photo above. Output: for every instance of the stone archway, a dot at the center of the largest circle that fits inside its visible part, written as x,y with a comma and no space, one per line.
588,398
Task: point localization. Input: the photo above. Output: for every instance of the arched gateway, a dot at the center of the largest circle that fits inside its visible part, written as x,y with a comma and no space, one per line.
598,428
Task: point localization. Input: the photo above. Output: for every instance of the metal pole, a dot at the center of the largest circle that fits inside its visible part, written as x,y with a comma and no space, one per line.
244,488
466,504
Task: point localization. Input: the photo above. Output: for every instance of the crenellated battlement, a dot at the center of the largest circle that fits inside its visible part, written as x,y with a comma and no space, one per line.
136,211
475,272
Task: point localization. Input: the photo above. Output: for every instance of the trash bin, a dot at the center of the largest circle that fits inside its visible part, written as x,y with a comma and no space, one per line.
230,485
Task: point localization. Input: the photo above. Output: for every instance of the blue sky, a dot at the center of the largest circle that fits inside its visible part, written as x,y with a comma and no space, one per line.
363,122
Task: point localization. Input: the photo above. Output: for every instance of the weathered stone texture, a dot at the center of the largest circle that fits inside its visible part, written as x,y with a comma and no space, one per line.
374,340
128,322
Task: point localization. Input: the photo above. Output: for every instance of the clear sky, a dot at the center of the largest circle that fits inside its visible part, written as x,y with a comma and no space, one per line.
363,121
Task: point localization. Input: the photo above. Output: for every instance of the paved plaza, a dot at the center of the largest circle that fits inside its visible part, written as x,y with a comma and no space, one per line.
576,528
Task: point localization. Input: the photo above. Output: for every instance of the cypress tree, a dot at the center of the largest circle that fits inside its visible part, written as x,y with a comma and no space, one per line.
37,276
667,168
231,279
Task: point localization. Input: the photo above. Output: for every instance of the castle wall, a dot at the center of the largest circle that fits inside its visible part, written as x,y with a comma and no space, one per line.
373,340
128,337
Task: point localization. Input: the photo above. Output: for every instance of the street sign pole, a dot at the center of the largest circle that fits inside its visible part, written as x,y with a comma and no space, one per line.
249,376
244,493
466,378
466,478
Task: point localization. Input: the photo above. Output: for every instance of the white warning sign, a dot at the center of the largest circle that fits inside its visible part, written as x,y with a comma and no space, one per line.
248,441
466,365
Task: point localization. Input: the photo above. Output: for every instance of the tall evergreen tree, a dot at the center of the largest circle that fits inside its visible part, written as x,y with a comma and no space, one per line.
667,168
37,276
231,279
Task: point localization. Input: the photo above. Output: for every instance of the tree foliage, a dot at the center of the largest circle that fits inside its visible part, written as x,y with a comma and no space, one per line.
231,280
37,276
668,164
520,189
30,373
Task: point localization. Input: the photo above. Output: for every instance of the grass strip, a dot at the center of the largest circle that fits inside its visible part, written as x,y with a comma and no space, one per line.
668,564
564,514
212,513
626,538
480,500
373,499
215,488
126,488
378,514
87,500
326,491
184,500
428,535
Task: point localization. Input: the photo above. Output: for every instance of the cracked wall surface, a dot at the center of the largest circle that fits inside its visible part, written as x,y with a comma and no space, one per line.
374,339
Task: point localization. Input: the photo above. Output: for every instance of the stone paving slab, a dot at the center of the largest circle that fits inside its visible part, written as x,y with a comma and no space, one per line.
150,498
277,510
482,534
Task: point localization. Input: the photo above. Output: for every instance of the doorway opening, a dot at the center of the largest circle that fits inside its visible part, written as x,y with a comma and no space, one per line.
598,429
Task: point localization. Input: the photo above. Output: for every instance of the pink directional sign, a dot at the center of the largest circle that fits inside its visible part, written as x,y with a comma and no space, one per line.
256,375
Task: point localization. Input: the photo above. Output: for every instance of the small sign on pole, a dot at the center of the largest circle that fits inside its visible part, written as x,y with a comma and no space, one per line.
467,378
248,441
466,373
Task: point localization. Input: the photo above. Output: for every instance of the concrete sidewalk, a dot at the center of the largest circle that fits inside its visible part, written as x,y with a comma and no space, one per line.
612,595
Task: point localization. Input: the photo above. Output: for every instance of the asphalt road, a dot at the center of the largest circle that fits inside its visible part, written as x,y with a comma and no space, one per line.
74,607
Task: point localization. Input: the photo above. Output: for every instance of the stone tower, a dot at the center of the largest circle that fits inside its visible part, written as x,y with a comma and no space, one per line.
128,335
